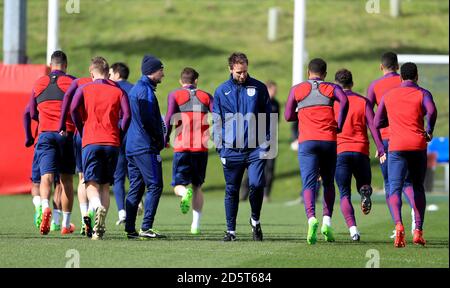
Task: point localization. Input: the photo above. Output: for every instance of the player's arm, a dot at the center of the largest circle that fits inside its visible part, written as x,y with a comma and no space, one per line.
291,105
267,109
151,118
29,141
371,97
126,113
34,114
172,108
77,101
68,96
340,96
217,121
430,114
381,119
373,130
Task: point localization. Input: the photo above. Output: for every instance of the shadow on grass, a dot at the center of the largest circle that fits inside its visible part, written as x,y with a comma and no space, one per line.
158,46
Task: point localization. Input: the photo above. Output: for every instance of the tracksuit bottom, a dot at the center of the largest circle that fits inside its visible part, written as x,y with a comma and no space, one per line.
317,158
400,164
145,173
234,166
351,164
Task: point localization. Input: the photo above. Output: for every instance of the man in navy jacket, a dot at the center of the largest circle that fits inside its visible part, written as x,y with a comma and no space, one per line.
145,139
241,136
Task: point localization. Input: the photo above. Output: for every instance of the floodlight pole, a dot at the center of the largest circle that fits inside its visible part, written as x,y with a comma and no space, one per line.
15,32
52,28
298,55
395,8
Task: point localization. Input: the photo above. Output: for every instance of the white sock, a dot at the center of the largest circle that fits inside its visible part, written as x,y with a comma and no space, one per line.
56,216
122,214
311,219
232,232
95,203
66,219
196,219
37,201
413,223
326,220
84,209
254,223
353,231
44,203
183,192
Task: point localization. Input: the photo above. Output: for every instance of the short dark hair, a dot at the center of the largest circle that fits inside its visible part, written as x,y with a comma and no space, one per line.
318,66
188,75
409,71
390,60
100,64
237,58
344,78
59,58
122,69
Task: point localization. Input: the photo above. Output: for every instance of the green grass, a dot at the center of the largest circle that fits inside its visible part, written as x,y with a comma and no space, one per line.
202,34
284,228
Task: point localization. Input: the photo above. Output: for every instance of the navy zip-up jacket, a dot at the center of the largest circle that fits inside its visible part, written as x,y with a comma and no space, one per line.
232,136
145,134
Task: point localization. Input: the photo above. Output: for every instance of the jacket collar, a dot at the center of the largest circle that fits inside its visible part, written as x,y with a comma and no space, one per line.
243,84
149,82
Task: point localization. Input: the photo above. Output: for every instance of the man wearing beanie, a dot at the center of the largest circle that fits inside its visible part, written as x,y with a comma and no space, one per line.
145,139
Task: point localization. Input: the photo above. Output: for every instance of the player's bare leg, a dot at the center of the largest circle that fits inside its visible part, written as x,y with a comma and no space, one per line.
37,204
67,203
57,208
93,190
186,197
45,189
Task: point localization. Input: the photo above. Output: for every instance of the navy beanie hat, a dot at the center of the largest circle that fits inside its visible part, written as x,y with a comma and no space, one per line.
150,64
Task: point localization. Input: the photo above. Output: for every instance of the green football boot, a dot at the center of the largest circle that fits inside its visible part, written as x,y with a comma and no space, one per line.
38,216
185,202
327,233
311,239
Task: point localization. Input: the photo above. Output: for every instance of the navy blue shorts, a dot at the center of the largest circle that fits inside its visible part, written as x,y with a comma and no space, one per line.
55,153
35,173
77,152
189,167
99,163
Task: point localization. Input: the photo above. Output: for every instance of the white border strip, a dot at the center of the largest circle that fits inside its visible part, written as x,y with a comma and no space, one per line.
423,59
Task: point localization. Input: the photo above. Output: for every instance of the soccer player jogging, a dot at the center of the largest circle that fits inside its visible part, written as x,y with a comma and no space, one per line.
407,146
353,151
35,174
54,152
81,189
312,103
390,80
145,140
188,109
102,103
36,180
237,105
119,73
